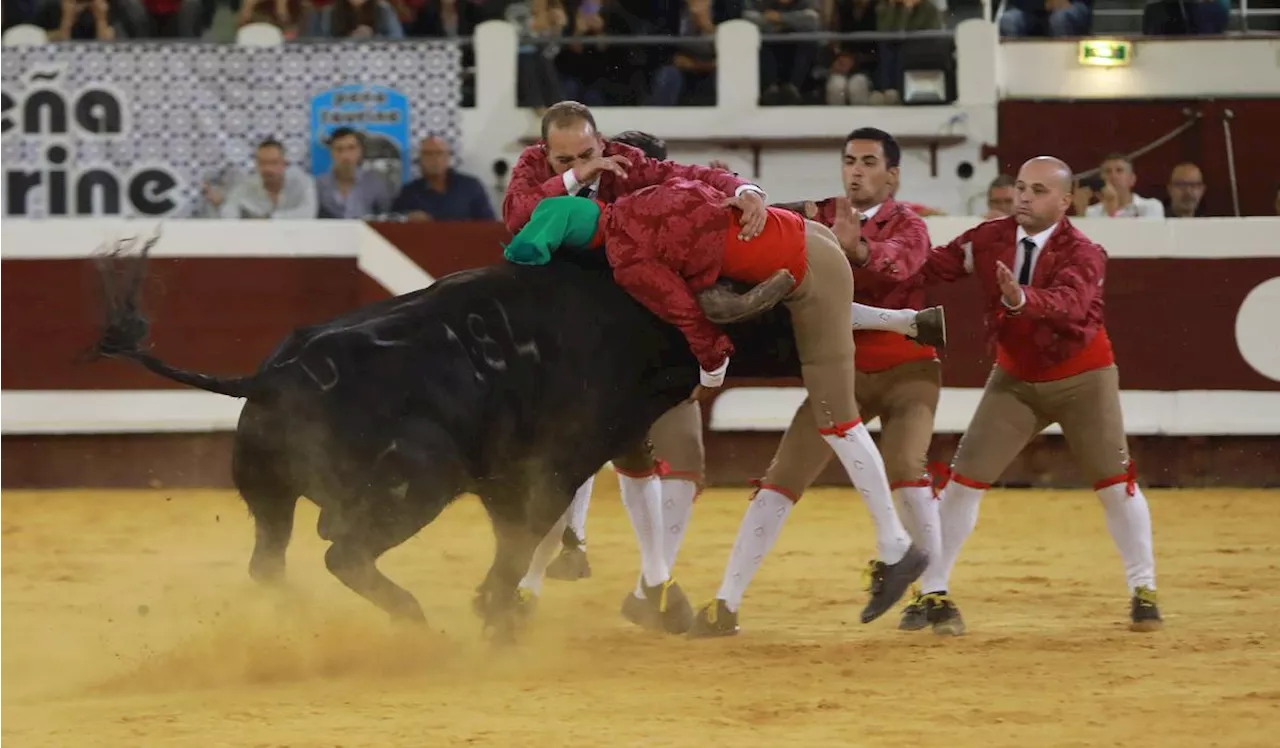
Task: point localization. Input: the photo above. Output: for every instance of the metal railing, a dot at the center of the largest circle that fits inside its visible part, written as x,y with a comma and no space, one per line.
657,40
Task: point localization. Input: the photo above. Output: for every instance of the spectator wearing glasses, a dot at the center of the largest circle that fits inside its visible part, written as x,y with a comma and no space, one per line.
1186,192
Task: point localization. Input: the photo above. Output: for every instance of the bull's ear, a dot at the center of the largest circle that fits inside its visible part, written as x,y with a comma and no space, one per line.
723,305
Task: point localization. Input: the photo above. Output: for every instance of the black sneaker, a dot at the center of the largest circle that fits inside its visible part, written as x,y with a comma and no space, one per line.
889,582
943,614
914,616
1144,613
714,619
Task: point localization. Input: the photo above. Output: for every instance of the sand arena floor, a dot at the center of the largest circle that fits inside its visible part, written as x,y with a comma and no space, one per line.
129,619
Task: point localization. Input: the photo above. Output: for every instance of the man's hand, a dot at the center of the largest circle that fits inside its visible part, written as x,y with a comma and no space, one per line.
716,163
754,213
418,215
1109,199
1010,291
587,173
848,229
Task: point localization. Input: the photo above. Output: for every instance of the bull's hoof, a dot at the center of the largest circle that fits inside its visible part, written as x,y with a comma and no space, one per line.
722,306
570,565
506,621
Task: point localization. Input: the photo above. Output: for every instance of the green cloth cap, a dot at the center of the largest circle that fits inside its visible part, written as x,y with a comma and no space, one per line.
556,222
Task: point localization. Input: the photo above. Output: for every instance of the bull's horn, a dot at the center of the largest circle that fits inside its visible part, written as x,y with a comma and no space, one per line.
723,306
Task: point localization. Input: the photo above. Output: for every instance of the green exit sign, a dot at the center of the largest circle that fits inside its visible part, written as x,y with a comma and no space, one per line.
1107,53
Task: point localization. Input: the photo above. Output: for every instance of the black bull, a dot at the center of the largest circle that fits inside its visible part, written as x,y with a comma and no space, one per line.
512,383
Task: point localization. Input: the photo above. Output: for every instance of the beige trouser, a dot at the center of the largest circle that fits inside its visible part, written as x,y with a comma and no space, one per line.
676,439
1012,412
905,398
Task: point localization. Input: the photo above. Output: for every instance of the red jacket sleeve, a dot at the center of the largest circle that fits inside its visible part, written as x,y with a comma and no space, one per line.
945,264
527,188
648,172
662,291
1072,290
901,256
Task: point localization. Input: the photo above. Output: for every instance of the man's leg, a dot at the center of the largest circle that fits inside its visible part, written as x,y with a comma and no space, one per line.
663,603
1006,419
1088,408
908,398
799,460
825,348
677,445
572,562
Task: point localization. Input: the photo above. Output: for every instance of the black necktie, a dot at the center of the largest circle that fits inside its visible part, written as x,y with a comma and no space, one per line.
584,192
1024,275
863,220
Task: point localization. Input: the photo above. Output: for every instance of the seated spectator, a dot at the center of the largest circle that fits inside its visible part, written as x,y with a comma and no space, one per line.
1047,18
1185,17
692,69
999,198
1186,192
849,77
359,19
579,65
348,190
1117,199
539,23
287,15
174,19
784,68
448,19
627,71
442,193
89,20
899,15
277,189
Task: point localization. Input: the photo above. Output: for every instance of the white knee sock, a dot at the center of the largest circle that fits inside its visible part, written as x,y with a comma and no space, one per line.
643,499
578,510
902,321
958,512
542,557
862,461
1129,520
759,530
920,514
677,508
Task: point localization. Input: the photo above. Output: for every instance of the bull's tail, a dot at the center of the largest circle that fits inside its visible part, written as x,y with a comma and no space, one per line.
122,271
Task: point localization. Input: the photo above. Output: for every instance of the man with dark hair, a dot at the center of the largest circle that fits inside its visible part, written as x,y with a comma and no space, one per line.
999,197
349,191
897,379
278,189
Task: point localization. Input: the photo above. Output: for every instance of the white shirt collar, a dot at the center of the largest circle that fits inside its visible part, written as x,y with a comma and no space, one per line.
1038,239
870,213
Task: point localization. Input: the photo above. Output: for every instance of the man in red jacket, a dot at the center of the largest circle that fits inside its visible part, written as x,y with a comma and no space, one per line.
898,380
573,159
668,242
1042,280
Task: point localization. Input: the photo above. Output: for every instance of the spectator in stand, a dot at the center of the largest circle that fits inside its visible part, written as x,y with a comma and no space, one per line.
539,23
359,19
442,193
89,20
1185,17
849,76
1186,192
348,190
447,19
629,69
692,70
277,190
174,19
580,65
1047,18
784,67
999,198
1117,199
288,15
899,15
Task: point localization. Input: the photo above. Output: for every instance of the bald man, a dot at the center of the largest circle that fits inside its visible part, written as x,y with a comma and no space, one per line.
442,193
1042,282
1186,191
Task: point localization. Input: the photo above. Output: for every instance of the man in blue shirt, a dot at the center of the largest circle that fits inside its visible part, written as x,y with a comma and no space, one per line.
442,193
350,190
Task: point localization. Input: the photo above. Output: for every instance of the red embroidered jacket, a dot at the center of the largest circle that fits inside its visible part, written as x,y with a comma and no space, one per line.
1059,331
532,179
898,241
